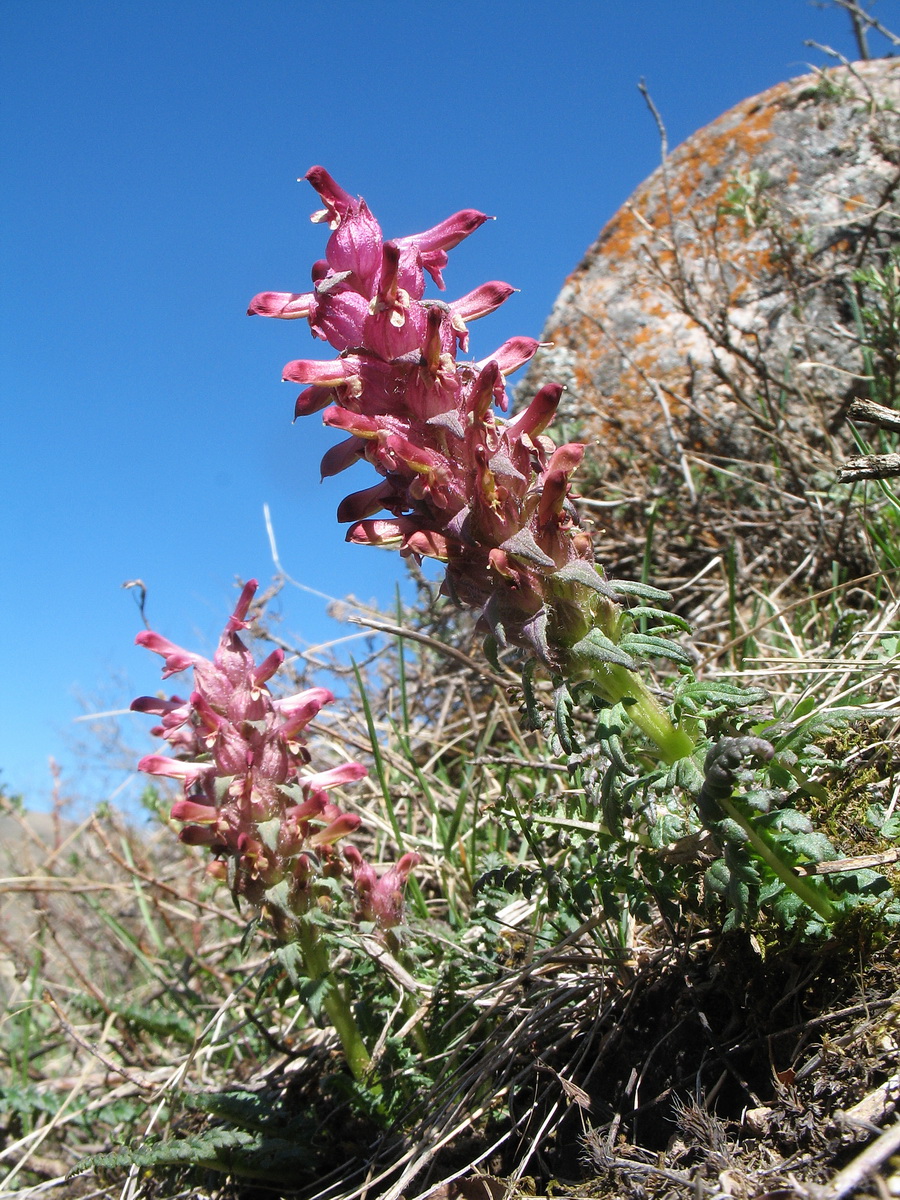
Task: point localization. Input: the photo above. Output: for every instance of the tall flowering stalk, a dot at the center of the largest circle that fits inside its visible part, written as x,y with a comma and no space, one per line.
249,797
488,497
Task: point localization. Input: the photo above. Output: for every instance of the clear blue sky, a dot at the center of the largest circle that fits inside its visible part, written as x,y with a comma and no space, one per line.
150,153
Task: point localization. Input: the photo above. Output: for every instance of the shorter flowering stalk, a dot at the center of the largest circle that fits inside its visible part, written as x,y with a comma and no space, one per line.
248,796
723,761
336,1003
488,497
814,897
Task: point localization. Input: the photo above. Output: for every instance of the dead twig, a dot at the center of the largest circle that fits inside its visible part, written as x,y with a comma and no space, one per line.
433,644
861,862
869,466
874,414
859,1169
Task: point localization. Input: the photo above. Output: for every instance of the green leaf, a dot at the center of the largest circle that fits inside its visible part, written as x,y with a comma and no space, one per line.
789,821
814,846
645,645
269,831
598,647
279,896
562,716
687,775
291,959
718,693
491,651
230,1151
631,587
827,720
247,935
659,614
532,708
584,573
313,993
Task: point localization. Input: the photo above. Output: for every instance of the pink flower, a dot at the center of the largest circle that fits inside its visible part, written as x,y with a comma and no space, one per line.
174,768
490,498
248,795
381,897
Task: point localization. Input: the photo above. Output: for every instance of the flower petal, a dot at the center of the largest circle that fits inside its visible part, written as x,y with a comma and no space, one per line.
346,773
286,305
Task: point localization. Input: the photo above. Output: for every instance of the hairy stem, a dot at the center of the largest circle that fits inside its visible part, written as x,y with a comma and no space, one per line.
617,685
335,1002
802,888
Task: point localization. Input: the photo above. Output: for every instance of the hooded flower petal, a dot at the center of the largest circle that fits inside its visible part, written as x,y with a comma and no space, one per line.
296,712
337,202
342,456
513,354
173,768
482,301
286,305
346,773
322,374
176,659
340,827
382,532
432,245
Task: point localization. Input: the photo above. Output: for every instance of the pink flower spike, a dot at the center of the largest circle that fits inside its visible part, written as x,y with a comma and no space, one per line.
386,897
337,202
176,658
345,773
286,305
172,768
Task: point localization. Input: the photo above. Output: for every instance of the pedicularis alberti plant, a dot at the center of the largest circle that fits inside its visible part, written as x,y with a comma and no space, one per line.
489,497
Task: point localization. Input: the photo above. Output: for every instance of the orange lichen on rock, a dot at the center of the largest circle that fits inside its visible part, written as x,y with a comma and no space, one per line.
691,337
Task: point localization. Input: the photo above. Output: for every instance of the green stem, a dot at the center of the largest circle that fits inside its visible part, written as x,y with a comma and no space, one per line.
801,888
617,684
335,1002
